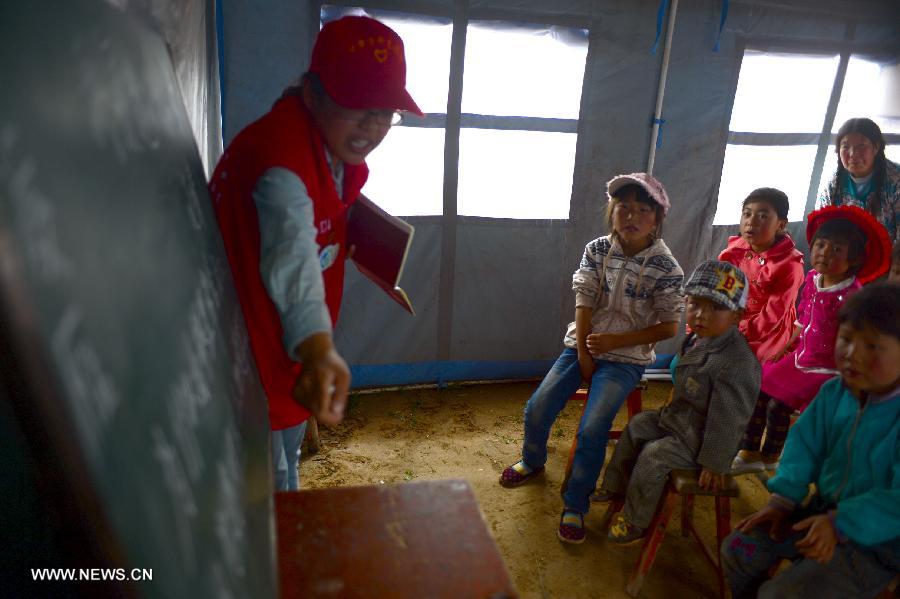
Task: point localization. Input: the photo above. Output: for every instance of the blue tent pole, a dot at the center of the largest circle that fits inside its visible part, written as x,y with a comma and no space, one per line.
661,90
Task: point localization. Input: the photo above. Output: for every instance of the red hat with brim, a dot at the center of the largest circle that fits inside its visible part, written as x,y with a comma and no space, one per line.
878,245
362,65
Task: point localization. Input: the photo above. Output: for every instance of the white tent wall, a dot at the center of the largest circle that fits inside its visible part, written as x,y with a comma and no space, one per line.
493,295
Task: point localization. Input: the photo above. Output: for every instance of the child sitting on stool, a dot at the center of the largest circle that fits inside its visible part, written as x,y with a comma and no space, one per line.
846,541
716,378
628,296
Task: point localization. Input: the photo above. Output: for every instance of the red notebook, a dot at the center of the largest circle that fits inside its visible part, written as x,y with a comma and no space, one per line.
382,243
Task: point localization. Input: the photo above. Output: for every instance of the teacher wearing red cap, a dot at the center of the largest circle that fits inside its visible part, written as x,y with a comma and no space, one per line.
281,193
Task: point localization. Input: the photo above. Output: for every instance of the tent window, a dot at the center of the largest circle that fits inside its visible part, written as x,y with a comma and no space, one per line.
520,70
406,172
521,166
520,103
515,174
785,97
777,121
780,93
747,167
871,90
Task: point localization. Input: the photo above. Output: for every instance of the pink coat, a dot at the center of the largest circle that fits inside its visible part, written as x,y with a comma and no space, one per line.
795,379
775,276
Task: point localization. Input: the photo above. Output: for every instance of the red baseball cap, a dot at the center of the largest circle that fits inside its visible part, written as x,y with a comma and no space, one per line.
361,65
877,259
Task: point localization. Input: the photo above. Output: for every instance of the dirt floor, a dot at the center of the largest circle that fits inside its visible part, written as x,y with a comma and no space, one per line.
473,432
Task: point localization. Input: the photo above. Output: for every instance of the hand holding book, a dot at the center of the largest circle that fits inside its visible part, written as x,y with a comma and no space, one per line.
381,243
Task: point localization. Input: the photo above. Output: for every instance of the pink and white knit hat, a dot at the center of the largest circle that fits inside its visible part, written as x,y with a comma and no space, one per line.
648,182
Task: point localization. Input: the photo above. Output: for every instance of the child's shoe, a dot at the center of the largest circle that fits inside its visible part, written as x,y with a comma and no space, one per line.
604,496
517,474
740,466
623,532
571,527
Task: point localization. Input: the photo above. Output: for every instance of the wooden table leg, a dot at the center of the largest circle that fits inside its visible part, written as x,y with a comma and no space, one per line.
312,436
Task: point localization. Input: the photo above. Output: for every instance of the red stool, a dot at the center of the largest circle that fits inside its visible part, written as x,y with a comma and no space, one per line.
632,403
681,483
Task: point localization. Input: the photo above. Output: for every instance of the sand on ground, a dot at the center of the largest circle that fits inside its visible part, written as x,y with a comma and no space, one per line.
472,432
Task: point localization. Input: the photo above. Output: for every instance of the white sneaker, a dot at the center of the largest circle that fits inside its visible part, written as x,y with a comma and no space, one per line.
739,466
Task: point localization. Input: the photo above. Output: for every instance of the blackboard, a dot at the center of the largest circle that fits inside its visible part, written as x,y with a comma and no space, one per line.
125,359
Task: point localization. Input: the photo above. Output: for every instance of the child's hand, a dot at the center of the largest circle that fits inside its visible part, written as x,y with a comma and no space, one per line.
819,542
710,480
768,515
600,343
324,381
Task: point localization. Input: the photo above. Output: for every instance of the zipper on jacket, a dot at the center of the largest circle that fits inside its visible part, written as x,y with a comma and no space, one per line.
859,415
618,291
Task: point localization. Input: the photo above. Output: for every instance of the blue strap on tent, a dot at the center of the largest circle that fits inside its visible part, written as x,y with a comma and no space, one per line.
659,122
660,16
721,24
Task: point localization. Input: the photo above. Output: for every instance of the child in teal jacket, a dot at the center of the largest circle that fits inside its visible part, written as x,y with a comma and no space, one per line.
846,541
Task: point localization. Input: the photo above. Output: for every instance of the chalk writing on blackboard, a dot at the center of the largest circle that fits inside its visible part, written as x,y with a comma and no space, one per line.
121,307
32,210
91,389
184,505
113,87
240,348
191,390
230,524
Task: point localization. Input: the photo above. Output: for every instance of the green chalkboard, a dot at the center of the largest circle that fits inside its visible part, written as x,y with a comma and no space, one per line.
126,363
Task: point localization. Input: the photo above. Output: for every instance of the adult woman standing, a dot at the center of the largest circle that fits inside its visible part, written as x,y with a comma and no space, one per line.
864,176
281,192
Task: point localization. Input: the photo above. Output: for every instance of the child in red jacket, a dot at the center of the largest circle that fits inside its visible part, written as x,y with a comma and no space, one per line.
774,268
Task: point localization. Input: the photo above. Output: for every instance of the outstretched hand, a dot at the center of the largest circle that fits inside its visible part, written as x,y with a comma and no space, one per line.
324,382
820,540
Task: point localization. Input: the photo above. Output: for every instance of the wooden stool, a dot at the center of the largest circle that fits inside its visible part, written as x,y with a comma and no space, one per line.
312,436
633,404
681,483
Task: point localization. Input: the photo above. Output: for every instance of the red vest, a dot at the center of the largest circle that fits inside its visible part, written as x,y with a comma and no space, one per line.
285,137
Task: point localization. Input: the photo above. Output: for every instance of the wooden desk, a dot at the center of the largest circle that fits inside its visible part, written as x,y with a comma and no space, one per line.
420,539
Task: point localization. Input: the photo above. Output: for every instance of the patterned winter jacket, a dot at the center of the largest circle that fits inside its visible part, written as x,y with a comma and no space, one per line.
890,198
627,293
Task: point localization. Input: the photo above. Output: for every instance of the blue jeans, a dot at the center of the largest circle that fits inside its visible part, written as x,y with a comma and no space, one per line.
854,570
610,385
286,456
